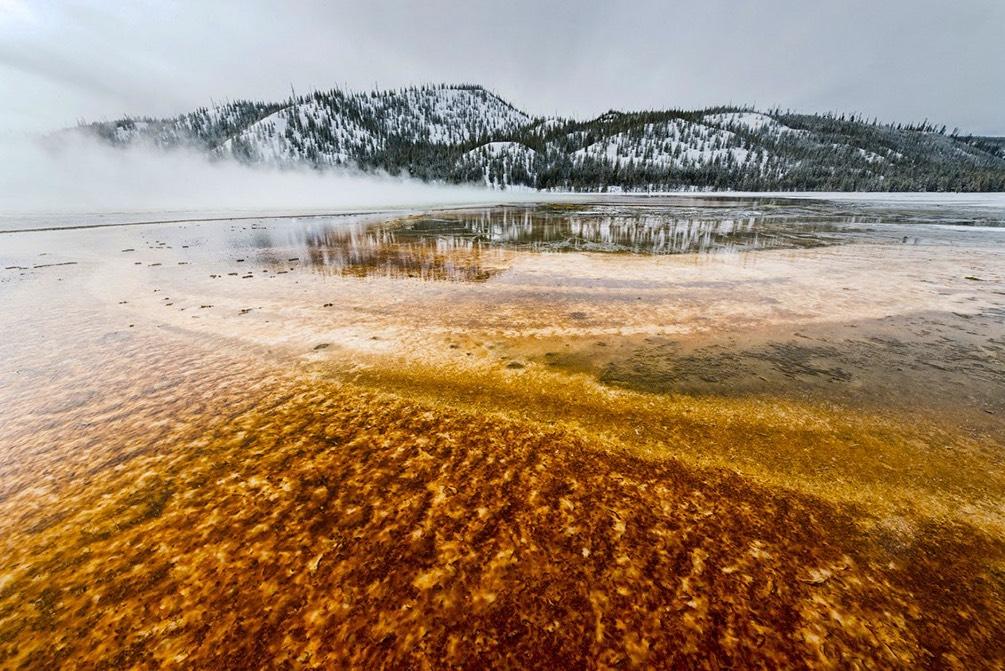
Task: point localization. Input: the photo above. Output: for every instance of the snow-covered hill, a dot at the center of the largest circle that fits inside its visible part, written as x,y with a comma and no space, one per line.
499,164
336,128
672,144
466,133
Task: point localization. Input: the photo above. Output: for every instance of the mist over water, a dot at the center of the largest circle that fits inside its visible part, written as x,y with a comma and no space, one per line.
75,173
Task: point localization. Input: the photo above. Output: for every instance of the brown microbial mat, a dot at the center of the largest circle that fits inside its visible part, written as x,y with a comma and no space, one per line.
617,433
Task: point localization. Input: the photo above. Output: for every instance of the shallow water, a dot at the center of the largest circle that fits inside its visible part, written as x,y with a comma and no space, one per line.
632,431
469,245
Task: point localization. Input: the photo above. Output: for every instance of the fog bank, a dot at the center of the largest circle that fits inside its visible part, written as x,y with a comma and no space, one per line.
74,173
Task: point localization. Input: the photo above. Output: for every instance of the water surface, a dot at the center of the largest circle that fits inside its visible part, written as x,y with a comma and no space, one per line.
620,431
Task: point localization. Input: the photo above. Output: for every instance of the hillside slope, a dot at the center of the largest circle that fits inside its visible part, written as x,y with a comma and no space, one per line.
466,133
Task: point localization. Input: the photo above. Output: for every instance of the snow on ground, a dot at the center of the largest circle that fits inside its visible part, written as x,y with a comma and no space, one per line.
750,121
754,121
498,160
444,116
499,148
953,199
672,144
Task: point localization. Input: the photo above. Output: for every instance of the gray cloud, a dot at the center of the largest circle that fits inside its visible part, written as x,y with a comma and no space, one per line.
896,59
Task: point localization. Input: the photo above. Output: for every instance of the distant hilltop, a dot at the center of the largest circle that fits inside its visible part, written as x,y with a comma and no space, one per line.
467,134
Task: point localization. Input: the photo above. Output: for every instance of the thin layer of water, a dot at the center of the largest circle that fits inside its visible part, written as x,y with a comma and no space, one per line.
398,441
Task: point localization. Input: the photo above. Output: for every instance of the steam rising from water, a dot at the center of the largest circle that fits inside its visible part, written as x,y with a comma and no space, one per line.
73,172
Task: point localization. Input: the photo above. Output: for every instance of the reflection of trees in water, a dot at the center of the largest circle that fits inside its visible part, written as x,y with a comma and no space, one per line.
649,233
365,251
471,246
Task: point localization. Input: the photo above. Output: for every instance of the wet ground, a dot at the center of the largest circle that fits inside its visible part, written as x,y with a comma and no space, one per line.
631,432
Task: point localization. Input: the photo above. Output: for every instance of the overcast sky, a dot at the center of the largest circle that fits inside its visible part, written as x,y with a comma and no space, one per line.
901,60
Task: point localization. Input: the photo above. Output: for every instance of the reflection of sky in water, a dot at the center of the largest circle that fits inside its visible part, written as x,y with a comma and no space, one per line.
474,245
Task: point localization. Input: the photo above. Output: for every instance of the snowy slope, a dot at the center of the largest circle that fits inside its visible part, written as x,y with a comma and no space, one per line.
466,133
337,127
501,164
748,121
674,144
334,127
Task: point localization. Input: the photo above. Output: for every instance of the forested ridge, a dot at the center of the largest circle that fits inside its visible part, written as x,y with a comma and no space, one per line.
465,133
